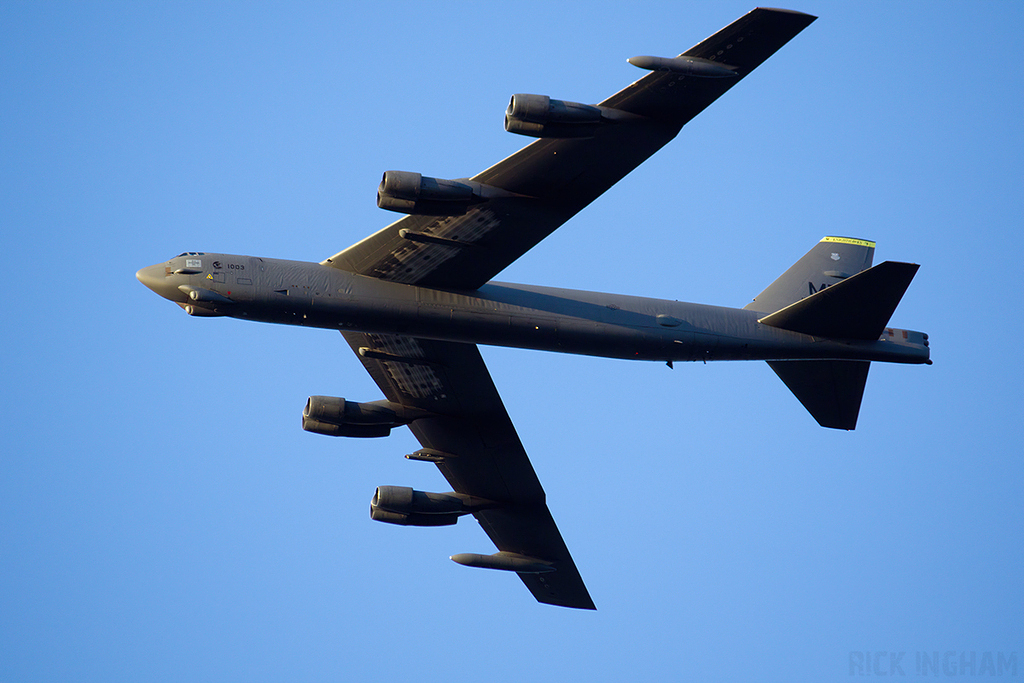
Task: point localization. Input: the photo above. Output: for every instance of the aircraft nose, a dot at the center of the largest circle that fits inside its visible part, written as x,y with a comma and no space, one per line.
156,278
150,276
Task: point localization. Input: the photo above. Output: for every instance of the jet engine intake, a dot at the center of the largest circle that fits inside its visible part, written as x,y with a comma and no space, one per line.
337,417
405,506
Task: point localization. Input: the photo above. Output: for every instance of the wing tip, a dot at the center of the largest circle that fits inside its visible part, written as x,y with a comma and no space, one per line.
781,10
571,604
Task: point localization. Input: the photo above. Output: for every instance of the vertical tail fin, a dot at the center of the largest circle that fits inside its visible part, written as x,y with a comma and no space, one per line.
833,292
832,260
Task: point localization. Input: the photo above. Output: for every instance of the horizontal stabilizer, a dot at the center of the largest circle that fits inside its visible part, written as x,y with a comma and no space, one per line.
831,390
858,307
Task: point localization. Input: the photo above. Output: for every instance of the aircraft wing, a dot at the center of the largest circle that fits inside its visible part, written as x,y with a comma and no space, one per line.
544,184
475,445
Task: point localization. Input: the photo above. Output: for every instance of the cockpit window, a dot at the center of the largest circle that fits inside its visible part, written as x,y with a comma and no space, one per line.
191,253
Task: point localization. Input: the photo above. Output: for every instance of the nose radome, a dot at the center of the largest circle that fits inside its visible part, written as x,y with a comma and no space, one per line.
150,276
158,279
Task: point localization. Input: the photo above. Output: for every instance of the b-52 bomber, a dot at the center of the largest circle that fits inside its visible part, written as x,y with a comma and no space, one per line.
416,298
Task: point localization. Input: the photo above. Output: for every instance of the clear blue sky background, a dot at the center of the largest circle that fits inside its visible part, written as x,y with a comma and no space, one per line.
164,518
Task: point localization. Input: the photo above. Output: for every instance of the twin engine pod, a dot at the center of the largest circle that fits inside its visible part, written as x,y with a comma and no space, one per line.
333,416
413,193
420,195
406,507
539,116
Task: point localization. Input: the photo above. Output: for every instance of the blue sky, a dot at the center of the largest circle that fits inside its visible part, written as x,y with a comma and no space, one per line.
163,517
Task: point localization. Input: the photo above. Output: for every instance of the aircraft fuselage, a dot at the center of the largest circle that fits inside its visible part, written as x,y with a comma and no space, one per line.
497,314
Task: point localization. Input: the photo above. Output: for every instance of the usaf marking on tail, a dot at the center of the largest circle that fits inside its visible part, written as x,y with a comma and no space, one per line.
416,298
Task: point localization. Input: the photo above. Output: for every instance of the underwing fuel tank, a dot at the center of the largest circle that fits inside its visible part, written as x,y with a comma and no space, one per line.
685,66
509,562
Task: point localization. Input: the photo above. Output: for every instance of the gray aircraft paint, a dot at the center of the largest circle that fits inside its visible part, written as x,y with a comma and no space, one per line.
499,314
415,298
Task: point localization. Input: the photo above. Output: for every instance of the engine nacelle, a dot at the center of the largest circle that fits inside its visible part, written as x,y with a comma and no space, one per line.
417,194
406,499
352,430
333,416
412,519
539,116
407,507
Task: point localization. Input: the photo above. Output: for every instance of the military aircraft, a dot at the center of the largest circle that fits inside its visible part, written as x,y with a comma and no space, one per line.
416,298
